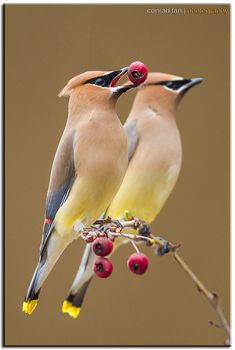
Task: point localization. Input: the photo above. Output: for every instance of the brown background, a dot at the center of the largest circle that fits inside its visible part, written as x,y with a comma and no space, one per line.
47,45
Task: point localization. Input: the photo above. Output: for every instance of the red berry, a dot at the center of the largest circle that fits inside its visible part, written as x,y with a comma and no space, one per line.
103,267
102,246
137,72
138,263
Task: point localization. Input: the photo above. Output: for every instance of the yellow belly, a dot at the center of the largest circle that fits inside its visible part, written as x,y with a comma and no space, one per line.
143,195
86,202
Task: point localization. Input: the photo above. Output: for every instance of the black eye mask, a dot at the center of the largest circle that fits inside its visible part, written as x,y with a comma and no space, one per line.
173,84
104,80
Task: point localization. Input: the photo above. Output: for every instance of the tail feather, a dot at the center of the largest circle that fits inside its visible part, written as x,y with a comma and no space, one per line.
29,305
32,296
72,304
48,258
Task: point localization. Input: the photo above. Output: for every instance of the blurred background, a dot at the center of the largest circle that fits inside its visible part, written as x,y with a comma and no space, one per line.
46,45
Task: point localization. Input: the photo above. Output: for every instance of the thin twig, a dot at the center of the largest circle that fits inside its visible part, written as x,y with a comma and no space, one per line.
137,238
211,297
163,248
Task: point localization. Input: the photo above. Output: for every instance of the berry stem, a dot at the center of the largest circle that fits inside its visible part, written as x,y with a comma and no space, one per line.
135,246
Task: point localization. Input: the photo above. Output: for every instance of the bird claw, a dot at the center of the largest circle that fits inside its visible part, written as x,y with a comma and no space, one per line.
104,229
117,223
102,222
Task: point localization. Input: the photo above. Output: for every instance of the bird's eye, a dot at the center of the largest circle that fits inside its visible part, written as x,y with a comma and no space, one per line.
172,85
100,82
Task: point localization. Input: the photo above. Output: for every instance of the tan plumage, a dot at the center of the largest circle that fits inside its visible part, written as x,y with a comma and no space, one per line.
155,156
155,164
87,170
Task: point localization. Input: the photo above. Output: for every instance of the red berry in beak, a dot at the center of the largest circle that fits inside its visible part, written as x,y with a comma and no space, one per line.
102,246
137,72
138,263
103,267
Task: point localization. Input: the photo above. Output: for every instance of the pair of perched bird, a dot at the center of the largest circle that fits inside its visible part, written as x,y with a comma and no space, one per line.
99,164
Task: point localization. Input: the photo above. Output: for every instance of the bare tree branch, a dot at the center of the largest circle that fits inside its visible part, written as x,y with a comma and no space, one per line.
212,298
113,229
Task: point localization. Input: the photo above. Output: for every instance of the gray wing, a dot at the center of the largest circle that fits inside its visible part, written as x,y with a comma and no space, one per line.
61,181
130,128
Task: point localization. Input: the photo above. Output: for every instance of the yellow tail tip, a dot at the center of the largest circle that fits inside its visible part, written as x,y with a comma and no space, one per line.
70,309
29,306
66,306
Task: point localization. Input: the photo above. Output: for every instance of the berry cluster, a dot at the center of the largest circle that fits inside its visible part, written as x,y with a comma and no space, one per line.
103,267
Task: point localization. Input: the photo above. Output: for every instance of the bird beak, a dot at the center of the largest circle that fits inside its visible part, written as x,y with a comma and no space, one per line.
117,75
190,84
124,88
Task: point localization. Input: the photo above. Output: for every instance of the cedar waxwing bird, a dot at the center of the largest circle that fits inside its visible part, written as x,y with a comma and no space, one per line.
155,156
88,168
